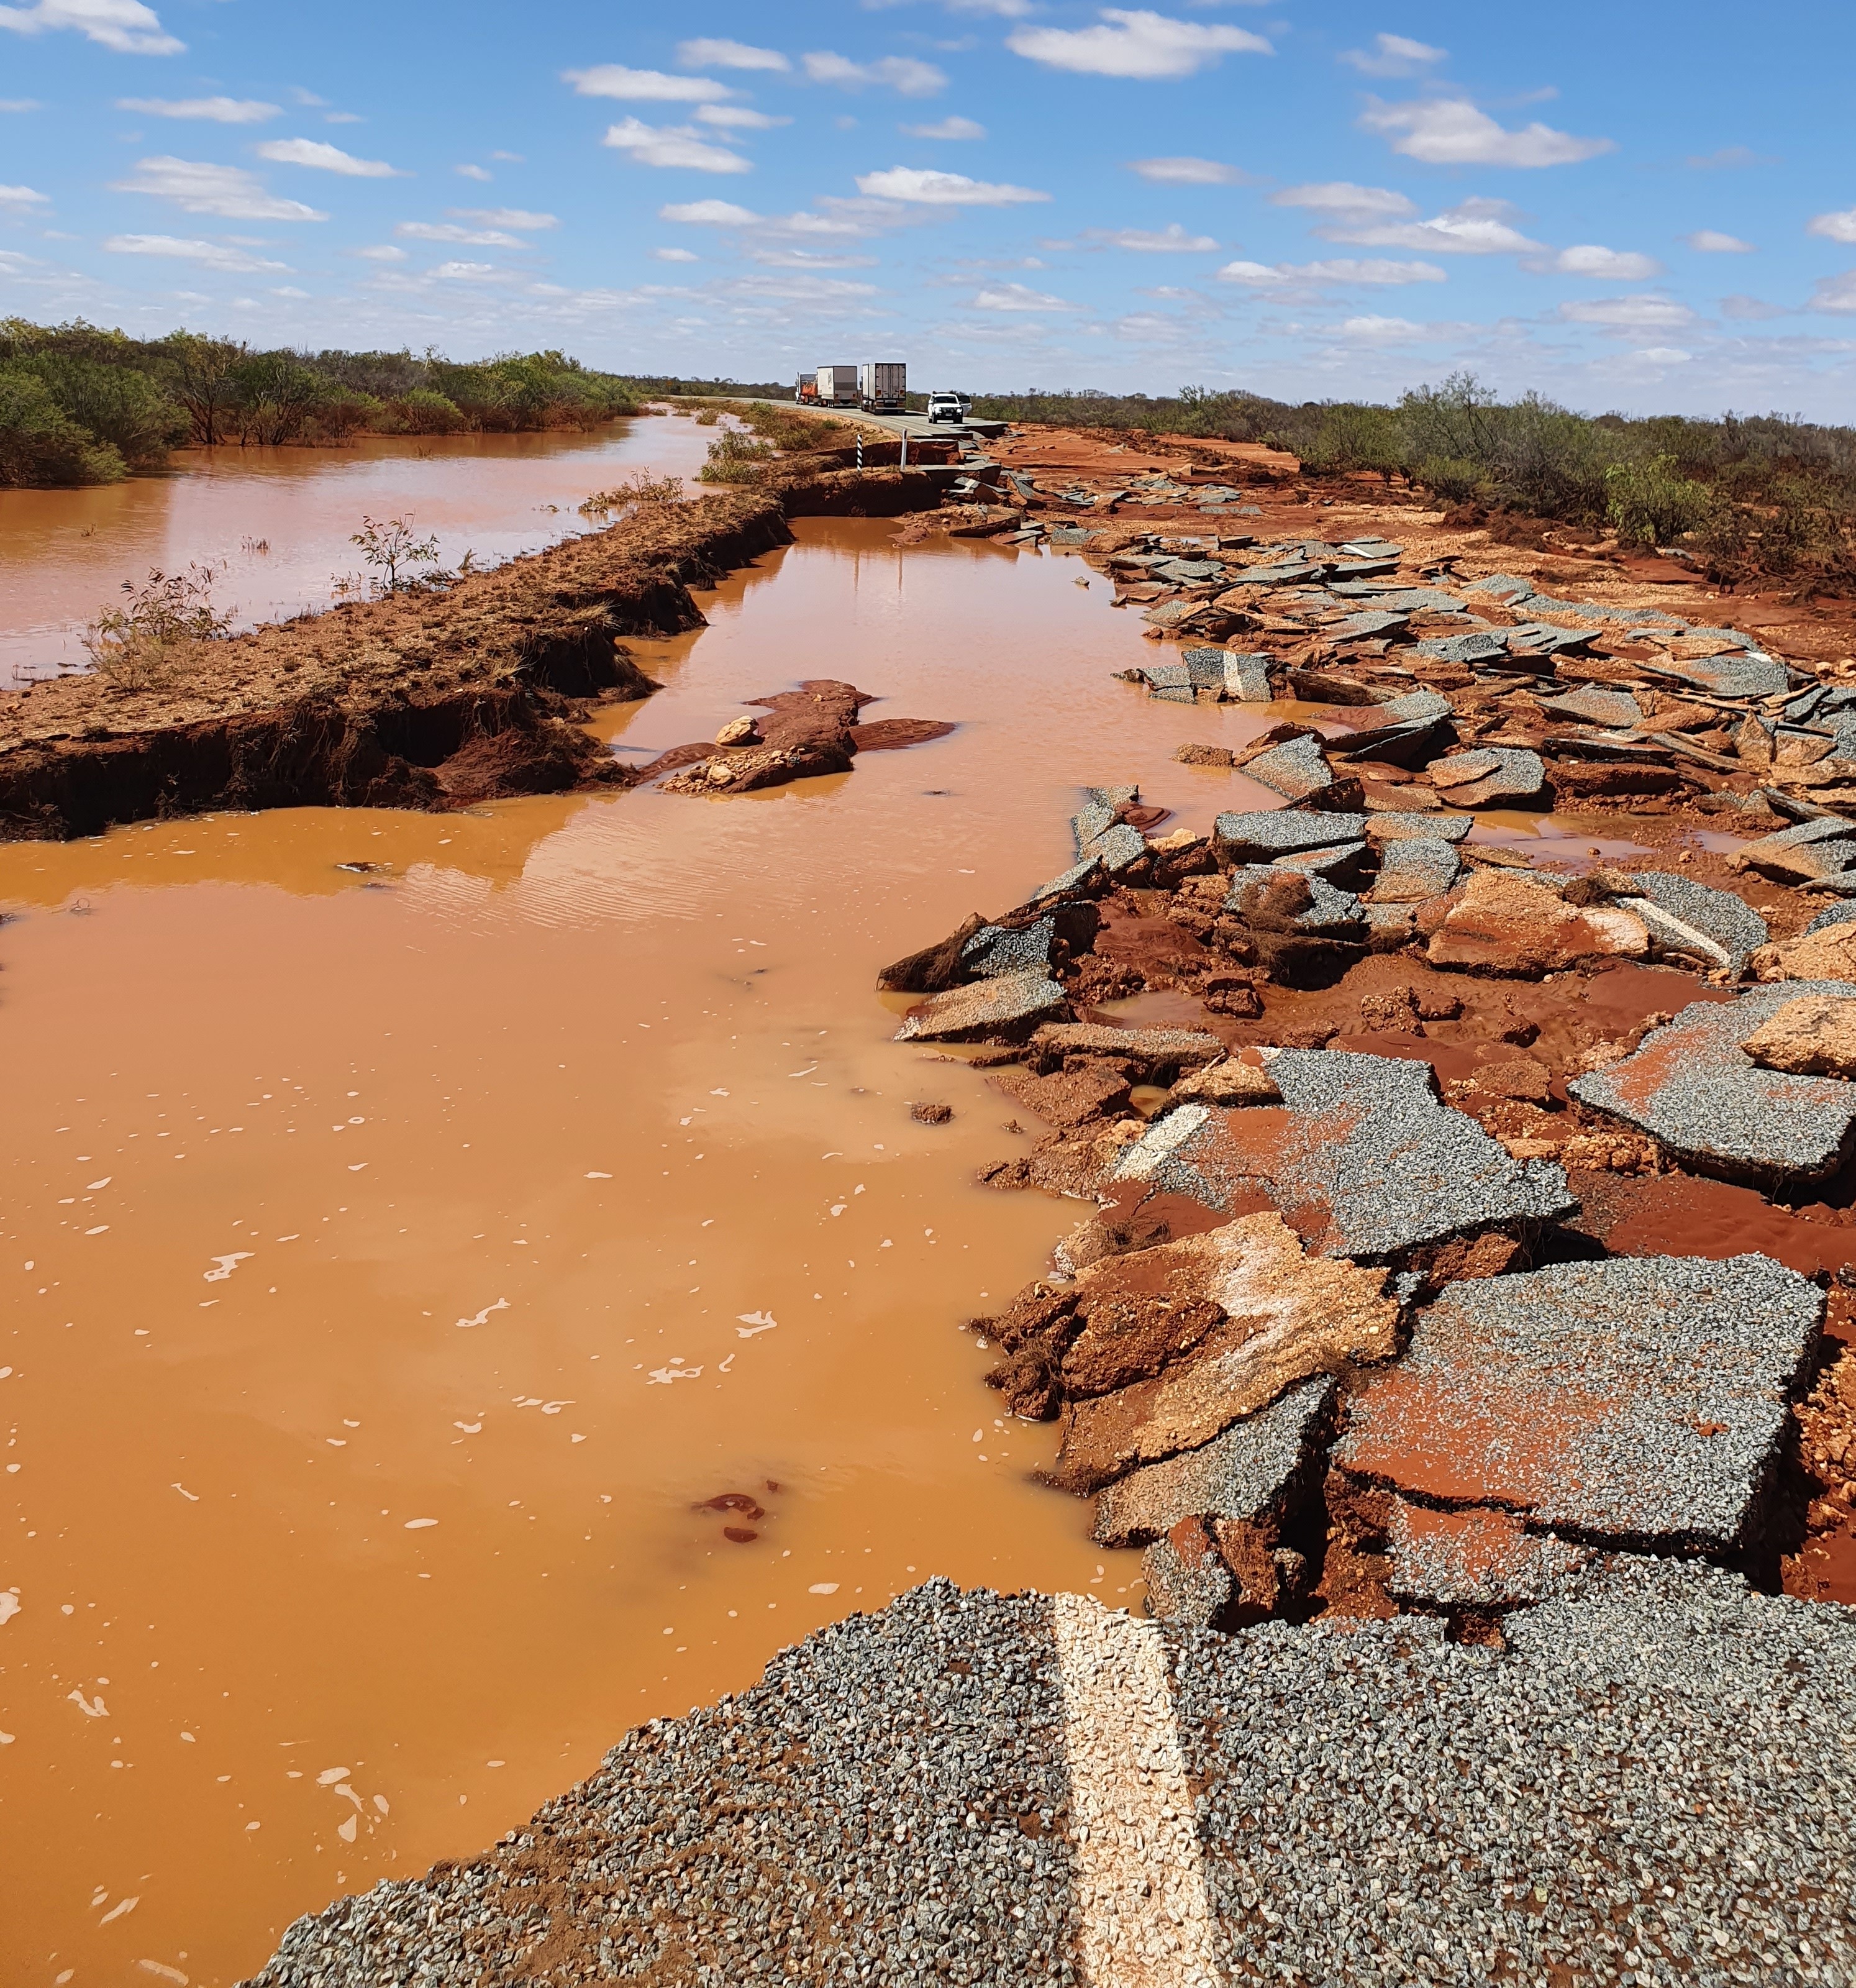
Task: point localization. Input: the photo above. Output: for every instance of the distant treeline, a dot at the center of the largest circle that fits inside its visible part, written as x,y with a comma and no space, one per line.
1751,495
80,404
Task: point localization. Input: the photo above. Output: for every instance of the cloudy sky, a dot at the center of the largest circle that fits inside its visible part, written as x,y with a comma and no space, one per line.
1644,206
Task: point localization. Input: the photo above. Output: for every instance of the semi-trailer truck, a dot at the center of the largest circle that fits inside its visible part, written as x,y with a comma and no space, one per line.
837,385
883,386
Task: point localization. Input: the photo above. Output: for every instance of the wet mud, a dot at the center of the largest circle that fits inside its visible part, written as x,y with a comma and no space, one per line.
526,997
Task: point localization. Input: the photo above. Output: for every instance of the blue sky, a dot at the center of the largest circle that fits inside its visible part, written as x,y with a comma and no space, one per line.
1639,207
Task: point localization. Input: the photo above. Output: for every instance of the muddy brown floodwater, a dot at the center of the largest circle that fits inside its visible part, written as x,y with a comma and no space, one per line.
275,522
401,1261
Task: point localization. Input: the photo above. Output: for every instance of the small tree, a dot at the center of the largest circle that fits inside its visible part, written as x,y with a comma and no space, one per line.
387,544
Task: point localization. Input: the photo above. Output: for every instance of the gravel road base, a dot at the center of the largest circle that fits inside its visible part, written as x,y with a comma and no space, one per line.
1652,1783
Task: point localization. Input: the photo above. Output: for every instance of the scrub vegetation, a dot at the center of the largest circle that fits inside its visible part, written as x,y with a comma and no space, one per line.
80,404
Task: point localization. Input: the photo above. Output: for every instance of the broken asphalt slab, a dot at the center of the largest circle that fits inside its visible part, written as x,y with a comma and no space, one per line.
1642,1400
1360,1158
1696,1090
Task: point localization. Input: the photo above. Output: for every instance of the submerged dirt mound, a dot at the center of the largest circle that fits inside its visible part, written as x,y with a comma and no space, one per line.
812,730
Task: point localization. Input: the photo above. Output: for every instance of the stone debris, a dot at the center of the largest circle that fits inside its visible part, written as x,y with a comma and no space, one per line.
1295,770
1262,837
1286,1315
1642,1400
1414,869
1361,1157
1188,1582
810,731
1233,1081
1008,1004
1474,1557
1813,1036
1508,924
1248,1474
1692,1086
1151,1052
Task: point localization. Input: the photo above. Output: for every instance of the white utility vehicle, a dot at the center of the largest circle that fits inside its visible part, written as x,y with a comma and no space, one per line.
948,407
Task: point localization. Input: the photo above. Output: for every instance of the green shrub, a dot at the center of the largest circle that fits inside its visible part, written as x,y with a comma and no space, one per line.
40,445
1351,437
1648,504
116,405
425,412
734,457
1452,478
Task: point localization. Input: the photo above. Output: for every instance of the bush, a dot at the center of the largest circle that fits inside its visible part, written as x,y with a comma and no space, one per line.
40,445
143,643
1348,436
1452,478
425,412
1648,504
734,457
116,405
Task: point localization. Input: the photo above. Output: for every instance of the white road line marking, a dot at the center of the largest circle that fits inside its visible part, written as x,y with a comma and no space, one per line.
1140,1875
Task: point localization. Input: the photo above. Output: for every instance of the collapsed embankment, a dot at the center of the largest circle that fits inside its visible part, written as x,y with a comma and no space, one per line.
420,700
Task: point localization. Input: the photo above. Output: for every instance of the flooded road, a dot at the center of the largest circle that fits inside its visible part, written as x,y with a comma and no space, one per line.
398,1263
277,521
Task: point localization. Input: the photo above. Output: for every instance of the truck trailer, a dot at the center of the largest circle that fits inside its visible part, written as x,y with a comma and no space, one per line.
837,385
883,386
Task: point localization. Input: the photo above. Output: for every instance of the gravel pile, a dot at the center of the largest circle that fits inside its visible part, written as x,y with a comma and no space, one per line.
1652,1783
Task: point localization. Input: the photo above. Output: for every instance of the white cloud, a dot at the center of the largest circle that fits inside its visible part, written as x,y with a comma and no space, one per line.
1393,55
465,272
1835,293
213,109
1665,355
902,73
208,255
383,253
472,172
505,217
803,259
344,117
1386,329
196,187
650,86
672,145
1344,200
326,159
21,198
1711,242
1587,259
1134,43
447,231
738,117
1172,237
1341,270
676,255
707,52
948,127
11,104
708,214
927,188
1637,313
1474,228
1835,227
1017,297
288,290
1452,131
1185,172
124,26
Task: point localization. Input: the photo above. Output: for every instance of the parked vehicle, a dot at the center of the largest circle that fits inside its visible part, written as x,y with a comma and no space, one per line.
948,407
883,386
837,385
